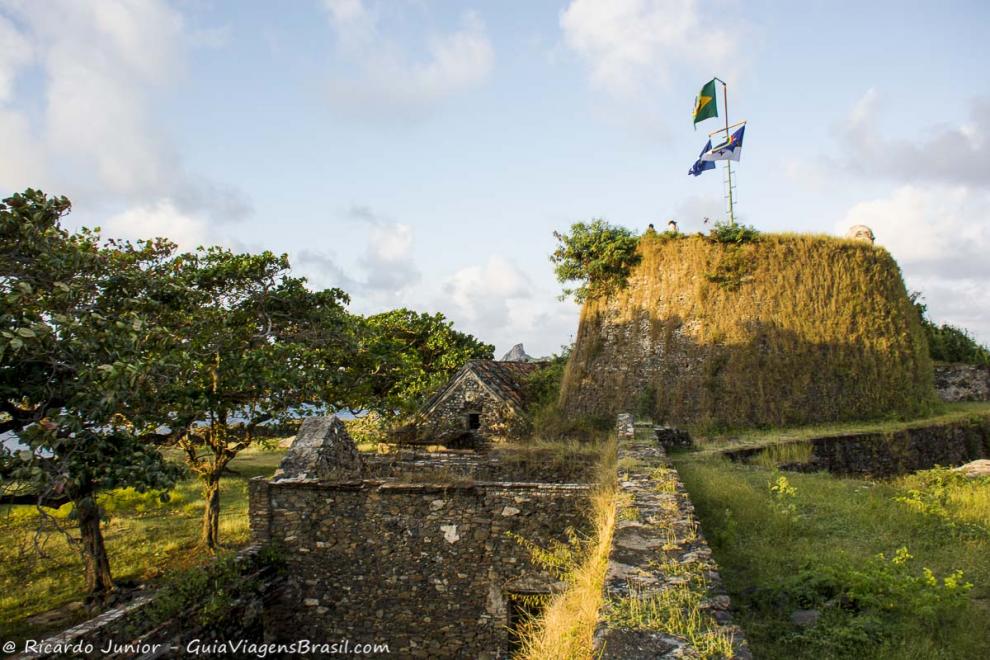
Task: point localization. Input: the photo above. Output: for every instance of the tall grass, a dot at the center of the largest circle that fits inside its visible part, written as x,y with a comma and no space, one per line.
565,629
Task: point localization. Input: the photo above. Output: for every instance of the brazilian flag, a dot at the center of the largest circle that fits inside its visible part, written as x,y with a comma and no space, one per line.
704,105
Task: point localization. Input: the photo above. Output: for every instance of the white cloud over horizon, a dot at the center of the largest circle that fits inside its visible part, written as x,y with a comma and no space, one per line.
93,134
385,82
933,220
632,45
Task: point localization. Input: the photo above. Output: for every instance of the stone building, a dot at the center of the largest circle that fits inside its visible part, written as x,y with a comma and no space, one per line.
484,400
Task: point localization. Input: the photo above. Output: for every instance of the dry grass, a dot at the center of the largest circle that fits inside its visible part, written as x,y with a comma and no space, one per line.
566,628
792,329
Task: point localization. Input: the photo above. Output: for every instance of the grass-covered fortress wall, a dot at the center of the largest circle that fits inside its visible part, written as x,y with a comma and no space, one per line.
789,329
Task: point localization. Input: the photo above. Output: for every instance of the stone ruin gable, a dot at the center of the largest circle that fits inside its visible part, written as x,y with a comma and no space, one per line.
494,391
962,382
322,450
426,568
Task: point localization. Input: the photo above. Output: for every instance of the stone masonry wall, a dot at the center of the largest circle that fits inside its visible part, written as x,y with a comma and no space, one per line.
424,568
962,382
448,421
891,454
658,546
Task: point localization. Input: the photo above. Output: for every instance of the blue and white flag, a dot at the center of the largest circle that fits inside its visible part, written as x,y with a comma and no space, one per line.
729,150
701,165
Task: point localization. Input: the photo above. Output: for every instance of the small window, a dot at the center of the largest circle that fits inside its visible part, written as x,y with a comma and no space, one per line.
474,421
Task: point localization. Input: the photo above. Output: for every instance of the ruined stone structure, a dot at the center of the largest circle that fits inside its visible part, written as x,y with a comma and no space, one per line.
322,449
658,546
427,553
962,382
889,454
785,330
433,569
431,559
484,400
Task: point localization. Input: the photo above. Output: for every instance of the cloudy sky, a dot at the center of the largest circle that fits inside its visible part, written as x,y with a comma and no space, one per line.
420,152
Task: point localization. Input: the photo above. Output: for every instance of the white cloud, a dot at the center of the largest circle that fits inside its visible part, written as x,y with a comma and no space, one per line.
15,54
931,230
159,219
385,271
98,139
943,153
388,260
941,238
632,44
386,83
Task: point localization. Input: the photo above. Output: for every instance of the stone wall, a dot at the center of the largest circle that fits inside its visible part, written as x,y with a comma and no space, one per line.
658,546
962,382
891,454
527,465
425,568
789,330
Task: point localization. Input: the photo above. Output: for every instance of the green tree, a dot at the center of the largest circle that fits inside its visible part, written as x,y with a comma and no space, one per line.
947,343
79,365
256,346
404,356
597,255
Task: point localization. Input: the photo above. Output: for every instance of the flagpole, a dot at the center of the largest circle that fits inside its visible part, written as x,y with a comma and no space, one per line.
728,163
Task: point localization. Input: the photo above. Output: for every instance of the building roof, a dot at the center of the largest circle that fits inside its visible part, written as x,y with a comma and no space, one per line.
504,379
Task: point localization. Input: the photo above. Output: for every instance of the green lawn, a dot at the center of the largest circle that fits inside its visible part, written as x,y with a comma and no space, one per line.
814,548
949,413
145,538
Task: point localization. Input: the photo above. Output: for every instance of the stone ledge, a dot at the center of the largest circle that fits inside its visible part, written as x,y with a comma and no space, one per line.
663,527
422,487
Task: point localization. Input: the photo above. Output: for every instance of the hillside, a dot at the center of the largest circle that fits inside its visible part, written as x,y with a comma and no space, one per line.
791,329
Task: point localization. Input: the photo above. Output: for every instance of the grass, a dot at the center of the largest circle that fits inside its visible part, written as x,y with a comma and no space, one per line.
948,413
566,627
567,458
792,329
145,538
811,541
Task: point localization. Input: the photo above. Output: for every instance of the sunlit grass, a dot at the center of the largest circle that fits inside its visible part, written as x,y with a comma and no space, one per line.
145,537
566,628
839,522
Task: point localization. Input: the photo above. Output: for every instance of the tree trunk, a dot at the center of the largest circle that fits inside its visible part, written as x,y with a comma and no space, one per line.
99,582
211,514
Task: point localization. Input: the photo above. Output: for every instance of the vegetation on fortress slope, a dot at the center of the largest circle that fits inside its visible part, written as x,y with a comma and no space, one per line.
775,330
814,542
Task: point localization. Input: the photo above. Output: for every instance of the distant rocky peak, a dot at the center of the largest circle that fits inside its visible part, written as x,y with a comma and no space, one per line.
516,354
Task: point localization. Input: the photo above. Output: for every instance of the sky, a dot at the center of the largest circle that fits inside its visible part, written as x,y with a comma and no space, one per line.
421,153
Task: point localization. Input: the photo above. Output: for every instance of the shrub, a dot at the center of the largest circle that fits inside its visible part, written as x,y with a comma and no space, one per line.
862,606
598,255
725,232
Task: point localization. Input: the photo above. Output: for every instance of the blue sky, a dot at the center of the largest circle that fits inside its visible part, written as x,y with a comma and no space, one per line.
421,153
